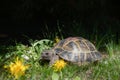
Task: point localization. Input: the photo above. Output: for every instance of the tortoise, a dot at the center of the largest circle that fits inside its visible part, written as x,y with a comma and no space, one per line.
76,50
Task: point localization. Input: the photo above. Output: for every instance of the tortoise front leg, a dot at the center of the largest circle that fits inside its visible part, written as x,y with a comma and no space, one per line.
53,60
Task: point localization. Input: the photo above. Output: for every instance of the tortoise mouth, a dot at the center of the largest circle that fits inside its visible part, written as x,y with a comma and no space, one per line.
44,58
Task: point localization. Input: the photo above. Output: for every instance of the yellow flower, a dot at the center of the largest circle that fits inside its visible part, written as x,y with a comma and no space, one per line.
17,68
58,65
57,39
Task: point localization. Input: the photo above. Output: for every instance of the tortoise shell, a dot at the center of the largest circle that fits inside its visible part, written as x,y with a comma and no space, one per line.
76,50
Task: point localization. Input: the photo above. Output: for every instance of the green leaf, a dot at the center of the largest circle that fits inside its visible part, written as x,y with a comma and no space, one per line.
55,76
77,78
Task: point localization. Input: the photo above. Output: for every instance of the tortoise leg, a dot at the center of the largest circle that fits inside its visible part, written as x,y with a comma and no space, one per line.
53,59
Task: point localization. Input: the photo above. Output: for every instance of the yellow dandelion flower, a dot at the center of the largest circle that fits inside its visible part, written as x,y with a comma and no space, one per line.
57,39
58,65
17,68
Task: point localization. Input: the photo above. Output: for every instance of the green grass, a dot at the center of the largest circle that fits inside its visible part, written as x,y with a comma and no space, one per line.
106,69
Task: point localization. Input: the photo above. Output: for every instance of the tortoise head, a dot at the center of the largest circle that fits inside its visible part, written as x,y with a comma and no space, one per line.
47,55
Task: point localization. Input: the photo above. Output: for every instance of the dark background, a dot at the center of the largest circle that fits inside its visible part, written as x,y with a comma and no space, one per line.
36,17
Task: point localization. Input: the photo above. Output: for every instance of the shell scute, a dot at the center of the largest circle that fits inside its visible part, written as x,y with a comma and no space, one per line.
83,46
90,45
82,57
66,55
61,43
58,50
70,46
98,55
93,55
89,57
